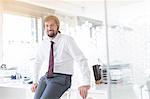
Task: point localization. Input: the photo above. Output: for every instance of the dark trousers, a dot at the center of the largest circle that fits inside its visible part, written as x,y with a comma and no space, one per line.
53,87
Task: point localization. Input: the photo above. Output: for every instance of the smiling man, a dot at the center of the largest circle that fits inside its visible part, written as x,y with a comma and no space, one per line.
58,51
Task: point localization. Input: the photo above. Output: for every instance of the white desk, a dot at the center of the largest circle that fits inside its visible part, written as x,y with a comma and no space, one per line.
96,92
15,89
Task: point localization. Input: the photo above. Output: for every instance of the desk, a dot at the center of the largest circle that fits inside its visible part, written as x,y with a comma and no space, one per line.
95,92
15,89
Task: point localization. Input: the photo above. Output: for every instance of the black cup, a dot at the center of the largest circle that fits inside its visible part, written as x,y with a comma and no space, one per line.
97,72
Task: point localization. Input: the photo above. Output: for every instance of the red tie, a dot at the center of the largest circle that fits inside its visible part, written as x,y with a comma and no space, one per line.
51,61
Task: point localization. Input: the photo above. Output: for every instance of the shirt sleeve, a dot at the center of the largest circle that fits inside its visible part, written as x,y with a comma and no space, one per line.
79,57
37,63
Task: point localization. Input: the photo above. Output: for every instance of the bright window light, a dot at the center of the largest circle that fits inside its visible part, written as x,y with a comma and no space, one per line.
19,40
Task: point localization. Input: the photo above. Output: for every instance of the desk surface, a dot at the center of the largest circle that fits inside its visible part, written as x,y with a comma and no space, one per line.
14,84
19,84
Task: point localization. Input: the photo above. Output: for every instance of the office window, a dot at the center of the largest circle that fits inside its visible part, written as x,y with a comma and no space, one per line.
20,36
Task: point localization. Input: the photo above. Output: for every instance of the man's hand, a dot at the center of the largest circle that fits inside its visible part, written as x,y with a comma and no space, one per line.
83,90
33,87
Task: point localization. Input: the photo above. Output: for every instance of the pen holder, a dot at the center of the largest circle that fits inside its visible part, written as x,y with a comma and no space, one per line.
97,73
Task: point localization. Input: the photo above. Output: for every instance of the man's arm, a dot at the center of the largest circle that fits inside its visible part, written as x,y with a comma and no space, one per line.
78,56
36,66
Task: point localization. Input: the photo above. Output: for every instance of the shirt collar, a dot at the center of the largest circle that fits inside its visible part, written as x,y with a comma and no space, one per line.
53,39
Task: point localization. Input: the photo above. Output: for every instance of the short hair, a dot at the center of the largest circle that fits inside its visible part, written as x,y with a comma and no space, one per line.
52,17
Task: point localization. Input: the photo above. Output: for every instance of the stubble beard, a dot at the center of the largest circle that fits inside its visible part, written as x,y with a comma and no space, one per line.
52,35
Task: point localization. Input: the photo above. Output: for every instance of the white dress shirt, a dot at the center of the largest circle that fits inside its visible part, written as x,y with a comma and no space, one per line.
65,52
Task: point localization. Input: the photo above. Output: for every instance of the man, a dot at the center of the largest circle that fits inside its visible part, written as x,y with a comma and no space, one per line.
59,69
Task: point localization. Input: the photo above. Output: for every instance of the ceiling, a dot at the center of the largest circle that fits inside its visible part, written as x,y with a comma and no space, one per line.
85,3
89,8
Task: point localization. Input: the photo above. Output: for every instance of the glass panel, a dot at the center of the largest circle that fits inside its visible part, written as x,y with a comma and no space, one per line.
129,48
19,39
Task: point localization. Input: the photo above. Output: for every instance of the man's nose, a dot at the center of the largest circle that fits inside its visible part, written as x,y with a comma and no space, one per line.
49,27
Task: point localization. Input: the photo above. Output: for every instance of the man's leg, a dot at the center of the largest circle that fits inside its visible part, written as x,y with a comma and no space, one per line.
40,88
56,86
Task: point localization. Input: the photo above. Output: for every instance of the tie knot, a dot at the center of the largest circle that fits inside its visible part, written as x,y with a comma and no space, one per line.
52,42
